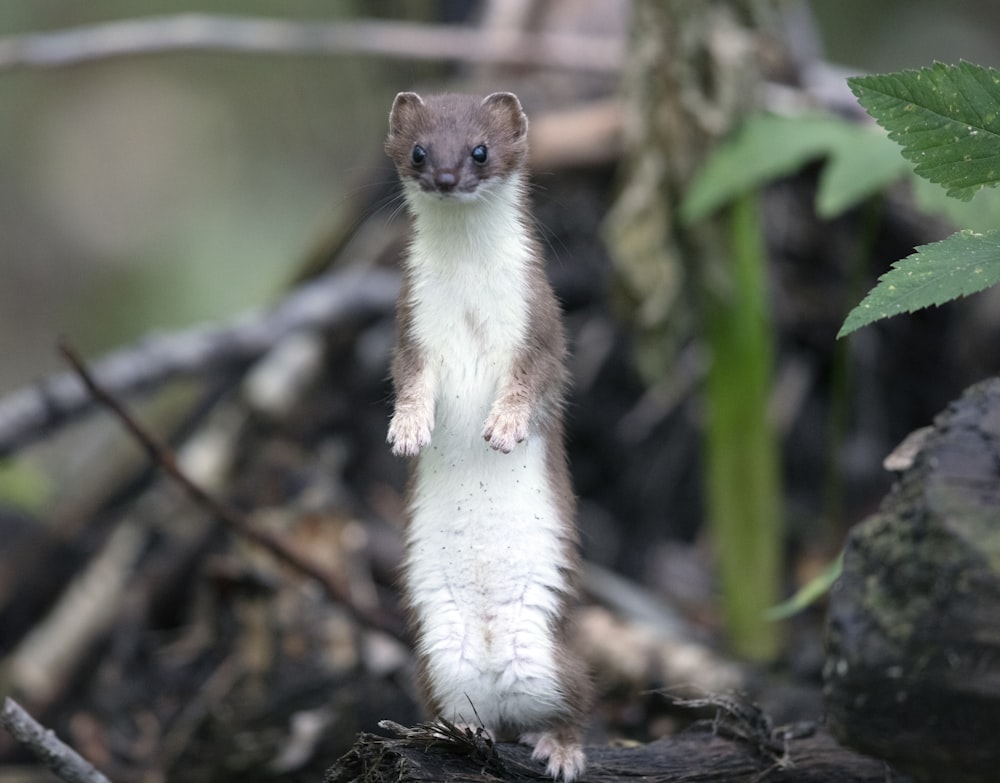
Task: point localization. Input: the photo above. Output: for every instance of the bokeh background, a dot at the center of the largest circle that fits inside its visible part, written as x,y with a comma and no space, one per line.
147,193
155,192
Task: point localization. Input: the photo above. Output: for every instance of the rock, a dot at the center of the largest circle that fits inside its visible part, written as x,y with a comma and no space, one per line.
912,672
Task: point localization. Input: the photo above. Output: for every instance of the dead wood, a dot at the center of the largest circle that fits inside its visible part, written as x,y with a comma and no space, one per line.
259,35
699,755
323,303
63,761
333,584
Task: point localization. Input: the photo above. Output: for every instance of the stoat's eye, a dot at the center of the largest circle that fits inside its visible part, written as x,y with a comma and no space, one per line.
479,154
418,155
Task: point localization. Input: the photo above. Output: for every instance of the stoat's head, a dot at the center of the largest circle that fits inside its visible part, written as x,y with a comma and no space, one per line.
456,145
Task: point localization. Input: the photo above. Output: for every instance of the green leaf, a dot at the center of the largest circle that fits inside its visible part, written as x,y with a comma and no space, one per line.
766,147
861,164
946,118
23,484
809,593
962,264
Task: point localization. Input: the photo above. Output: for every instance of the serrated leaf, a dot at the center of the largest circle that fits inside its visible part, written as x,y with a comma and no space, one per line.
946,118
766,147
962,264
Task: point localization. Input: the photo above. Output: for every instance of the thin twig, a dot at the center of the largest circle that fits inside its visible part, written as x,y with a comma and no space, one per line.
64,762
254,35
335,587
28,413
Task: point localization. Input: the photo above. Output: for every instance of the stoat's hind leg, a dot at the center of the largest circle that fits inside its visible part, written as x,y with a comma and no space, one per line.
562,749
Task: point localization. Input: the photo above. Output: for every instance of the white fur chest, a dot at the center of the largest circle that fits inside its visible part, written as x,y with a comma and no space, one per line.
468,267
484,538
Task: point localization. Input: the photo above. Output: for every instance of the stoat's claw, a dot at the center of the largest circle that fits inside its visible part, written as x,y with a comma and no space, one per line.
504,429
408,434
564,753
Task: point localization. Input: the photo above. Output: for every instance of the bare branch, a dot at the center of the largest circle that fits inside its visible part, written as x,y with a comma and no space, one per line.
28,413
250,35
336,588
43,661
64,762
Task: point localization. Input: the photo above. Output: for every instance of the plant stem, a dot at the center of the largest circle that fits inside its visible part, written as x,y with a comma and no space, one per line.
743,487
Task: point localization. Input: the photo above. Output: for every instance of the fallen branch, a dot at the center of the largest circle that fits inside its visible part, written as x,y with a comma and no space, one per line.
29,413
64,762
336,588
699,755
250,35
42,662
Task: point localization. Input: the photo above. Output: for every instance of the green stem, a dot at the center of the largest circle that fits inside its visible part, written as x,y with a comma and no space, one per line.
743,486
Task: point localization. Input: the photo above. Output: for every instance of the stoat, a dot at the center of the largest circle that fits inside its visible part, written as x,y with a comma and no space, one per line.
479,377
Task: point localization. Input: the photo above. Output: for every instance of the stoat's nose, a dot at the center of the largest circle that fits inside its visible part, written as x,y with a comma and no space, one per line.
445,181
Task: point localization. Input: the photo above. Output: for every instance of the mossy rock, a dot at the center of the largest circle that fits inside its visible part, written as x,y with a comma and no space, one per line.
912,672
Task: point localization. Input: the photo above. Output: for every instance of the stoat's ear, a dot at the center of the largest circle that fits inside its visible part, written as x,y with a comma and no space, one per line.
508,107
403,108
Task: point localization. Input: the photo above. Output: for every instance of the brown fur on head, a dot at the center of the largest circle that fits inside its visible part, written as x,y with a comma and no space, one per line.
453,143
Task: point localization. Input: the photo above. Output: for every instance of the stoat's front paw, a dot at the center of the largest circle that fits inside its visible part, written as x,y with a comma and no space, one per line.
505,428
409,433
563,752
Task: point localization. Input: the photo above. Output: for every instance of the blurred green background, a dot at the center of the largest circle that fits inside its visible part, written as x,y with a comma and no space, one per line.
148,193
